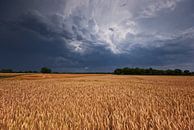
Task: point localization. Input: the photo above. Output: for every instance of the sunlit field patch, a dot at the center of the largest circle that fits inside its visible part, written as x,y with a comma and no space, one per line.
70,101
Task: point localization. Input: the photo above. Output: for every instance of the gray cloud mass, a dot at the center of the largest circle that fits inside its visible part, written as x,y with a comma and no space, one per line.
96,35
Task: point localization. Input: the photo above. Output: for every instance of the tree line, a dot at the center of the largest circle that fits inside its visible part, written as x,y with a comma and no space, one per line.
42,70
119,71
151,71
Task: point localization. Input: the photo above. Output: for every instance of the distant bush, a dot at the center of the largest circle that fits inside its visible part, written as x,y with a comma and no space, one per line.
45,70
150,71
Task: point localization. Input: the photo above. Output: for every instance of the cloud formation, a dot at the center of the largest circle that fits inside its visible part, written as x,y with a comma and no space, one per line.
96,35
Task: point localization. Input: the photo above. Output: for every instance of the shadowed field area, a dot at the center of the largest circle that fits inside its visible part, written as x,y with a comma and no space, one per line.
28,76
93,101
8,75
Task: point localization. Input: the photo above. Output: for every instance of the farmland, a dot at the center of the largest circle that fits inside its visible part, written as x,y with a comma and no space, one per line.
96,101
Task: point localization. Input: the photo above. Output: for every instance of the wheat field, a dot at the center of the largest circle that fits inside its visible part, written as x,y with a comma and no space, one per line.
96,102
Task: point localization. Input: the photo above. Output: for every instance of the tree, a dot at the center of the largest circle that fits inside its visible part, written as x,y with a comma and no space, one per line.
118,71
177,72
186,72
45,70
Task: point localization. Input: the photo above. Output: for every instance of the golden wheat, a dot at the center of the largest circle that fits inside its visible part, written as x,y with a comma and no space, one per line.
100,102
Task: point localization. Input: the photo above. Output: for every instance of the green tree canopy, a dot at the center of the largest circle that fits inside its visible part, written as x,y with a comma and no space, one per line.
45,70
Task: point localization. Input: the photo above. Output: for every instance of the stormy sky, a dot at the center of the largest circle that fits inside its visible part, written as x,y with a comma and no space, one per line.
96,35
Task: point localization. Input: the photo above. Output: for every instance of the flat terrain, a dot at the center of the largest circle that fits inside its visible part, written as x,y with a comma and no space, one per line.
91,101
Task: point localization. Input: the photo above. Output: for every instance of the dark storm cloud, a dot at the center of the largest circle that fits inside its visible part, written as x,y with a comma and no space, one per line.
167,54
56,26
41,40
75,36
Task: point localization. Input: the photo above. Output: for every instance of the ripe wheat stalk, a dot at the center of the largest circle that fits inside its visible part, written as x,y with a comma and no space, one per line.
98,102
